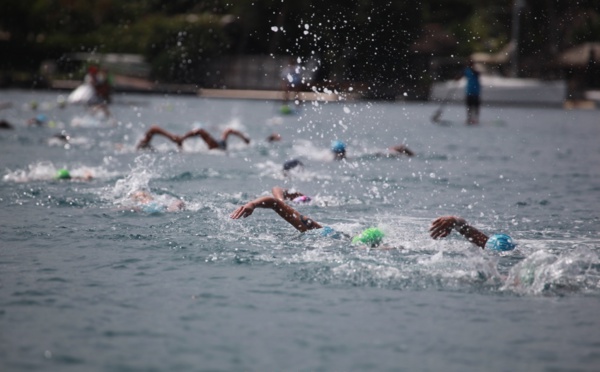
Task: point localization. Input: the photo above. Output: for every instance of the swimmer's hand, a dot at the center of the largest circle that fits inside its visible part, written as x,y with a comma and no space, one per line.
443,226
243,211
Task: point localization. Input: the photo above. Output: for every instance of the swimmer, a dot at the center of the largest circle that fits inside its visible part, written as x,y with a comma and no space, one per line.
398,150
290,165
154,130
213,143
443,226
295,196
63,136
274,137
5,125
39,120
338,148
146,202
371,237
64,174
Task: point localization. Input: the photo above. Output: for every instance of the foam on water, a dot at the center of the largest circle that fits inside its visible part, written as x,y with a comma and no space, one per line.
46,171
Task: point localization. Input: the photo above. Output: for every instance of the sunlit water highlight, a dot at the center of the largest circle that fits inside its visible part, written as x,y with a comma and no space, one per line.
89,282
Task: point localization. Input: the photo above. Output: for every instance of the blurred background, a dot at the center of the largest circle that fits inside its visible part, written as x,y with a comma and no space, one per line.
377,49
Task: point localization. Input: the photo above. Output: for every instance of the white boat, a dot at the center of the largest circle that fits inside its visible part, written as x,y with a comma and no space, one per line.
83,94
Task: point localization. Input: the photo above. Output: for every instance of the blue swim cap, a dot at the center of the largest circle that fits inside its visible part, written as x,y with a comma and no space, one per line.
330,233
500,242
326,230
41,118
153,208
338,147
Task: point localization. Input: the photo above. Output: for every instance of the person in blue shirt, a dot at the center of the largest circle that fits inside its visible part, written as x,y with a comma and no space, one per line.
473,93
291,81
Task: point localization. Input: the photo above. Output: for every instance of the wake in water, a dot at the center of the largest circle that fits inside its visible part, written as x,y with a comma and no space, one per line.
48,171
133,193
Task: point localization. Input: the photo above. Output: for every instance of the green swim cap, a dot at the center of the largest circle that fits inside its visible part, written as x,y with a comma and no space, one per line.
62,174
371,236
286,110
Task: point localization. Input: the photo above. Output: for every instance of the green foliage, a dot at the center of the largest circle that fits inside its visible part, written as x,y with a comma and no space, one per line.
362,40
178,47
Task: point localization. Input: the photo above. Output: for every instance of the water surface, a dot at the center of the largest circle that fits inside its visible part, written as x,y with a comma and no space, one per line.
89,284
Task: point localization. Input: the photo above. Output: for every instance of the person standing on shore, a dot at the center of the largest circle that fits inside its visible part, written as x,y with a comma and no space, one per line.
291,80
473,93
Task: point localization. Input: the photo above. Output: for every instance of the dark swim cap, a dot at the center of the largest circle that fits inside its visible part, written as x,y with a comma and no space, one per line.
291,164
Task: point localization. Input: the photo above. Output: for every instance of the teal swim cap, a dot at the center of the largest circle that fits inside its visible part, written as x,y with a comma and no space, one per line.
330,233
371,236
41,118
327,231
338,147
62,174
153,208
500,242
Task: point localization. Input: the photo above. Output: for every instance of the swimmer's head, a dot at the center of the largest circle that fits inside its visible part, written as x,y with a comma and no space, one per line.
291,164
286,110
339,149
274,137
302,199
326,230
372,237
62,174
41,118
153,208
500,242
141,196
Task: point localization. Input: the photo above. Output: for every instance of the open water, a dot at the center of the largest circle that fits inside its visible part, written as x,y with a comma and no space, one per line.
89,284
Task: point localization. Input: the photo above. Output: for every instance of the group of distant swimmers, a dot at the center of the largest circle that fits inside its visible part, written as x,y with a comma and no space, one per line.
371,237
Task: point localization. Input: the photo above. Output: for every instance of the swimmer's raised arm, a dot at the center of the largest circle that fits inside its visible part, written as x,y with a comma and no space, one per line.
443,226
401,149
293,217
283,194
154,130
228,132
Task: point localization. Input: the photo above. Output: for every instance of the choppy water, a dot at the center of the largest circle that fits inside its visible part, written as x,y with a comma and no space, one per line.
86,284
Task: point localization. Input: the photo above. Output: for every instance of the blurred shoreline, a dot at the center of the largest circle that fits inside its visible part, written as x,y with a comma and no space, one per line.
438,95
124,84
